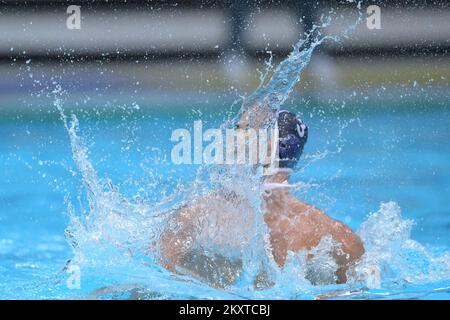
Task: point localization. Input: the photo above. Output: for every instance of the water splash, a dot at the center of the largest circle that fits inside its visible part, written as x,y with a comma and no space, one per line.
399,259
116,240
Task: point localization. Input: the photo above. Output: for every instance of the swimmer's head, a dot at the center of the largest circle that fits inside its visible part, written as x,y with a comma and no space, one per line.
292,136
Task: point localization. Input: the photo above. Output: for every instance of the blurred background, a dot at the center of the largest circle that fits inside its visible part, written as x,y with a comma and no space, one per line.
157,51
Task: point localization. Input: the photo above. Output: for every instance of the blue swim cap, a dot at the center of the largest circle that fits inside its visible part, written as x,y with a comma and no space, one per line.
292,136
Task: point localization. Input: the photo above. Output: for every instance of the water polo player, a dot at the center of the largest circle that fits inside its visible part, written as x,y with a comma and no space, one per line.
198,239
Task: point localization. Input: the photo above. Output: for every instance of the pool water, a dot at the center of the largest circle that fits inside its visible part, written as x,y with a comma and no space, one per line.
358,160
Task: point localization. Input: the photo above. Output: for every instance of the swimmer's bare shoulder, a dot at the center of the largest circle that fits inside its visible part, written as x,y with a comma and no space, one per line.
295,226
184,227
179,233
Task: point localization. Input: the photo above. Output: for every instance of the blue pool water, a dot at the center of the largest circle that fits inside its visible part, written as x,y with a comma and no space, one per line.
357,158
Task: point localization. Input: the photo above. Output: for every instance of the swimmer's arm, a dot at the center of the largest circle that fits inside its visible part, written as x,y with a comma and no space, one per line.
351,245
177,238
